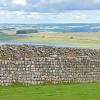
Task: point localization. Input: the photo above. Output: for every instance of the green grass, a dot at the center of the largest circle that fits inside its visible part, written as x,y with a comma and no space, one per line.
77,38
82,39
9,37
89,91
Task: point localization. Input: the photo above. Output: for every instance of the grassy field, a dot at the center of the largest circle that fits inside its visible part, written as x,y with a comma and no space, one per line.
87,39
66,38
51,92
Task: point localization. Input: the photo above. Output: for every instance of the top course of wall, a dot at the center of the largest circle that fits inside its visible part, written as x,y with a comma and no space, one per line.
28,52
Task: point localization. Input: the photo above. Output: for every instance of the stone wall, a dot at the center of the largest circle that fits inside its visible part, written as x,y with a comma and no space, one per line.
36,64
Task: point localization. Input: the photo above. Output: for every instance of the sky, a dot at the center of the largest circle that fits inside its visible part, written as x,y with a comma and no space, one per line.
49,11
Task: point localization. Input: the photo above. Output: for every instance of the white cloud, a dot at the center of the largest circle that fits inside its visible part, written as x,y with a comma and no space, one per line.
84,16
56,1
49,5
49,2
97,1
40,3
20,2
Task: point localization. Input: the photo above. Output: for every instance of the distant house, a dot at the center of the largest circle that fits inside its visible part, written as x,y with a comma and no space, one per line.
26,31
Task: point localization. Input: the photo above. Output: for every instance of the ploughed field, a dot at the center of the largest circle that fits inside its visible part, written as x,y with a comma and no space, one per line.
89,91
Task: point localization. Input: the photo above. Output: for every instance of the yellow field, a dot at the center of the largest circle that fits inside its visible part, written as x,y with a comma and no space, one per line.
91,39
66,38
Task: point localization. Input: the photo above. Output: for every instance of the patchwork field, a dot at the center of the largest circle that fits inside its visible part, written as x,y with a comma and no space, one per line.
70,38
82,39
87,91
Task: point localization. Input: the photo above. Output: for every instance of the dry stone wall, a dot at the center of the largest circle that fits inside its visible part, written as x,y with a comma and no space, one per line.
36,64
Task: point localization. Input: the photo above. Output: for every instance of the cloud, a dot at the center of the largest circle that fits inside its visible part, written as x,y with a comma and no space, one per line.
64,5
48,6
84,16
96,1
20,2
50,11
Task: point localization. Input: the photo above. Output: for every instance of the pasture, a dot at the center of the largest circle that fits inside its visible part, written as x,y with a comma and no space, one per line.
87,91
